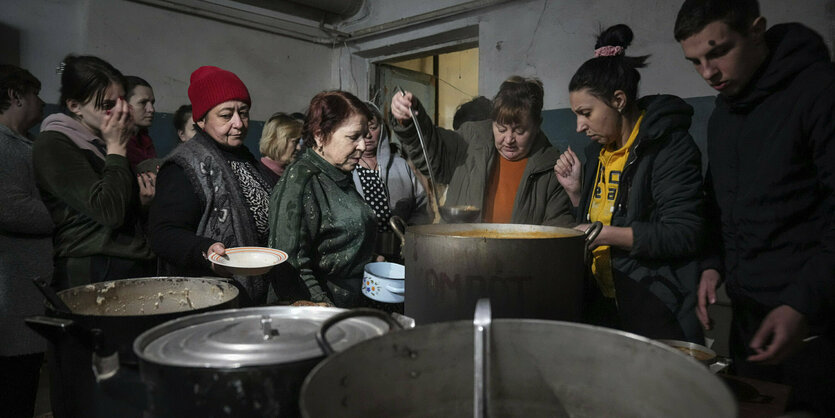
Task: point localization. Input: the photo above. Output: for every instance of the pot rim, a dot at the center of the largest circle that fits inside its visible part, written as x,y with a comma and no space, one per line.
692,346
218,281
367,270
448,231
656,344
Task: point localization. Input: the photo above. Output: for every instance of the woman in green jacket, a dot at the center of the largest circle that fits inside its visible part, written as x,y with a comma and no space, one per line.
316,214
86,182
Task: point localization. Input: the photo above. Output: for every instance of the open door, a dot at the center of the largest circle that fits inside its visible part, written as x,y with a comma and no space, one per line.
421,85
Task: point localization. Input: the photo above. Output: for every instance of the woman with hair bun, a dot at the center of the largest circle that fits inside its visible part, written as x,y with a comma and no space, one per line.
316,214
641,179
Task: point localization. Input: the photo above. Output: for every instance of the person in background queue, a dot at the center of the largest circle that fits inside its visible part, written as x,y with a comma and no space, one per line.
642,179
477,109
280,145
25,242
86,181
501,166
210,194
316,214
384,179
183,123
140,98
770,184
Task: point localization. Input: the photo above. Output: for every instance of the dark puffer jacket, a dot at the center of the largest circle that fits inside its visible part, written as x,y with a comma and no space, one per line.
660,197
772,168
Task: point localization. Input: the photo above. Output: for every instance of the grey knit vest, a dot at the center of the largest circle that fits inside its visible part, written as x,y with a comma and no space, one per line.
226,216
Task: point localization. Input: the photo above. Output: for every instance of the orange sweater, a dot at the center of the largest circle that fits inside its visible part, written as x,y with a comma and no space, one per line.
501,192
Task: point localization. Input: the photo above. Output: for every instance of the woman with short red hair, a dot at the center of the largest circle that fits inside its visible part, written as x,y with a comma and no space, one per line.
316,214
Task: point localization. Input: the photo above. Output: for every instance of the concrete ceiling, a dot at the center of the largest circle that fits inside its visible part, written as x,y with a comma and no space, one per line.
325,22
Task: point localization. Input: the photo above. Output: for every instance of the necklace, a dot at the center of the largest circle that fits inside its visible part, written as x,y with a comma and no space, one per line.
368,165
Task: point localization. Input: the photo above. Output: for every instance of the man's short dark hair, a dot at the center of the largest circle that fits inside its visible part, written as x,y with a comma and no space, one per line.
694,15
181,117
478,108
17,80
132,82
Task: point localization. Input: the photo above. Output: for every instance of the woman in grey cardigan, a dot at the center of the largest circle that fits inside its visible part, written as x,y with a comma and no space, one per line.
25,241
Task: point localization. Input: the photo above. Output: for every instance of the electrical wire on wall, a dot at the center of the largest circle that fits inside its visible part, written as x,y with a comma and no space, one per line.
533,36
339,66
433,77
350,68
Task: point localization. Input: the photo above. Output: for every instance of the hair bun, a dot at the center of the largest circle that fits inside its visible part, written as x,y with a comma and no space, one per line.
617,35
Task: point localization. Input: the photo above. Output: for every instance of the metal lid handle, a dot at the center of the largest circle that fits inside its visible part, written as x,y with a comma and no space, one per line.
481,325
320,335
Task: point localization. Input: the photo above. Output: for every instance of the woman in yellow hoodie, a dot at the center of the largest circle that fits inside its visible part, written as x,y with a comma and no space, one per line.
641,179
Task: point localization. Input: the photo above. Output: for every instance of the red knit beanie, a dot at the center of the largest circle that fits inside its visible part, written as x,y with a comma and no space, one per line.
211,86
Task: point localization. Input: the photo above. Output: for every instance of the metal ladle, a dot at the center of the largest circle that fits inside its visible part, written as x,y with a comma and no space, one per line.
450,214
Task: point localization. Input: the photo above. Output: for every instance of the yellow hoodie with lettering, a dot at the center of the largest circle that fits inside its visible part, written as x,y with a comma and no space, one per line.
602,205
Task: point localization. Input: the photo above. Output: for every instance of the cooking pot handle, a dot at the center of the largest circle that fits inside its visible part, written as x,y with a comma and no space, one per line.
50,295
592,232
320,335
396,290
398,225
53,328
719,364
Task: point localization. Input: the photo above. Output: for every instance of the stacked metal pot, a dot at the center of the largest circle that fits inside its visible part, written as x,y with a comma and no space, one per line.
102,322
161,347
243,362
527,368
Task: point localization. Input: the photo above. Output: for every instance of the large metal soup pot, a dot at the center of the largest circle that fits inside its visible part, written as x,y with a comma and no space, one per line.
527,271
105,318
536,369
242,362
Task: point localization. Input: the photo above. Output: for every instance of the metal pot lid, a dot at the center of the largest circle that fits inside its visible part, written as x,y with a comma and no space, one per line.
250,337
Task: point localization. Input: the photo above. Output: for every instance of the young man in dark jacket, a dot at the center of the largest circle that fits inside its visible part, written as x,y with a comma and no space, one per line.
771,148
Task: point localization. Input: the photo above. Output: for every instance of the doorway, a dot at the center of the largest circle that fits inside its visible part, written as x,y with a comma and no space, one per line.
441,81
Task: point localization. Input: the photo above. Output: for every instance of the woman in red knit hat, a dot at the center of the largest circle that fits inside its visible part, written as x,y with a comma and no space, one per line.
210,194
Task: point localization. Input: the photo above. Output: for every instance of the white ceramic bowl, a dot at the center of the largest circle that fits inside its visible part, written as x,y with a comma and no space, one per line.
384,282
249,261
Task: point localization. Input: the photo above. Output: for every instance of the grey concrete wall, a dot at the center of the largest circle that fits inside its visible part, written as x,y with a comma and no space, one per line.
549,39
47,30
164,47
544,38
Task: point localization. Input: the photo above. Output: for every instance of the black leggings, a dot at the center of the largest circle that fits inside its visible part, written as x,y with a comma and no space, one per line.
635,309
